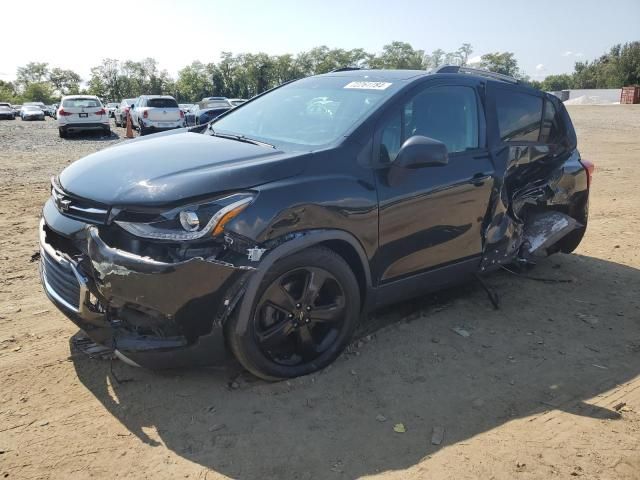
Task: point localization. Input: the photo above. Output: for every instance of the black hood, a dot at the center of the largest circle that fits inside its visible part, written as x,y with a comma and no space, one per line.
169,168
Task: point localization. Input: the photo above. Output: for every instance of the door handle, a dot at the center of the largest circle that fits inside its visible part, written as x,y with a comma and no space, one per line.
478,179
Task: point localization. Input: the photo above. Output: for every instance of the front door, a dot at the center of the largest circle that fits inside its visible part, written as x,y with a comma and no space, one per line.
432,216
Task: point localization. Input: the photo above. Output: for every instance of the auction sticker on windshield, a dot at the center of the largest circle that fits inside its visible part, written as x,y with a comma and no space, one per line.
369,85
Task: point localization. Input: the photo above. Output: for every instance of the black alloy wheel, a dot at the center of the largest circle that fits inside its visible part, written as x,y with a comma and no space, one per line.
299,316
304,315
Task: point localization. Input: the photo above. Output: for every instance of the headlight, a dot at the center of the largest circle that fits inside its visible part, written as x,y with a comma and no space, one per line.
191,222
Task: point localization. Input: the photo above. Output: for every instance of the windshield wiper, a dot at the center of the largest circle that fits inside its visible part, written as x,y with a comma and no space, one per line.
239,138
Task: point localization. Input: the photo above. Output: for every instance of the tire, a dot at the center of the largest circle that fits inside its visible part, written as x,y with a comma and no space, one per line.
141,130
290,334
107,132
62,133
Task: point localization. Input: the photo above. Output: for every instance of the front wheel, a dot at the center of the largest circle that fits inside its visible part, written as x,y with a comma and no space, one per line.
303,315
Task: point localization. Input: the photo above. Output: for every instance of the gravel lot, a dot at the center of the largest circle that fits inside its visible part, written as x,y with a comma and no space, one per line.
546,387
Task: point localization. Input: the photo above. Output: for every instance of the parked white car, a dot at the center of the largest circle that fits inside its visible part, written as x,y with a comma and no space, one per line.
78,113
156,113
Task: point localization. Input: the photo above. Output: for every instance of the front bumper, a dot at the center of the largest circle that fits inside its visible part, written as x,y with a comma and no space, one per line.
156,314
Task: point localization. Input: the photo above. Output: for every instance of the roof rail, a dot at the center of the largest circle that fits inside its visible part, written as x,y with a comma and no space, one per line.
345,69
475,71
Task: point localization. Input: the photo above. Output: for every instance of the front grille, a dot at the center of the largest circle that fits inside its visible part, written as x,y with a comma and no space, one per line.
79,208
60,280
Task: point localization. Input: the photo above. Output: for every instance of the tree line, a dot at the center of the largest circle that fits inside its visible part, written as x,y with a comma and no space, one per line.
247,74
618,67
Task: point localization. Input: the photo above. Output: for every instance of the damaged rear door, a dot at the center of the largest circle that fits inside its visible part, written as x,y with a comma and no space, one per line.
540,188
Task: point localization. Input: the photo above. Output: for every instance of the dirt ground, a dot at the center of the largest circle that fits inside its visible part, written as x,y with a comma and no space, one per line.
546,387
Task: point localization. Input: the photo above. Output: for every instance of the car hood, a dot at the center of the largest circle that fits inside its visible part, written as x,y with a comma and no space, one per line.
164,169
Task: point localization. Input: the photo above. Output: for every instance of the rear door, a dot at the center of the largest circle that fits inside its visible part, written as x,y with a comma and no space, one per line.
433,216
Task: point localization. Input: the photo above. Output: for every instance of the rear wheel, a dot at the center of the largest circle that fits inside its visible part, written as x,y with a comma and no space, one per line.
142,130
62,133
303,315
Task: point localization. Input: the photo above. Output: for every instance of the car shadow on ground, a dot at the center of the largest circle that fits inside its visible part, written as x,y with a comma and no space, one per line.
90,135
552,345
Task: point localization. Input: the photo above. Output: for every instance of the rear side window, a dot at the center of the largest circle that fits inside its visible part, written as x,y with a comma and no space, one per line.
519,116
162,103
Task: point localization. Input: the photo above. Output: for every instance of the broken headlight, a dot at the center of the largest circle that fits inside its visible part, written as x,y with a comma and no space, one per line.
190,222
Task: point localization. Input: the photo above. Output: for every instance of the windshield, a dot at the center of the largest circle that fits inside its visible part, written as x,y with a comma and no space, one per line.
31,107
162,103
308,113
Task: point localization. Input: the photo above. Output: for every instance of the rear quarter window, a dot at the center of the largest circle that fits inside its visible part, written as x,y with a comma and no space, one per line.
552,126
519,116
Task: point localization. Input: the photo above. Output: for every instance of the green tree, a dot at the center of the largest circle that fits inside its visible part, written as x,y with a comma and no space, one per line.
38,92
464,52
500,62
194,82
399,55
32,72
557,82
616,68
9,93
65,82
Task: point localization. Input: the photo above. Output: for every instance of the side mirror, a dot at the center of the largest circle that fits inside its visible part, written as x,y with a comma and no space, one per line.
419,151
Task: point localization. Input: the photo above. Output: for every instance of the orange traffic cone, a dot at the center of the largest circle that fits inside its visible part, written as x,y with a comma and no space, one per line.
129,133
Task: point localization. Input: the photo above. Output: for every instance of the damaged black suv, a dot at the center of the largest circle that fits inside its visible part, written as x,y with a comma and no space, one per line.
270,230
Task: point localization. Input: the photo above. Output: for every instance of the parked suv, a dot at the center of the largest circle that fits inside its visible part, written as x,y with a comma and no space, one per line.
155,113
207,110
111,108
79,113
120,114
272,229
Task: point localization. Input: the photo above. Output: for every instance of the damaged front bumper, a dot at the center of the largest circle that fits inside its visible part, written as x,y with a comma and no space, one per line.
156,314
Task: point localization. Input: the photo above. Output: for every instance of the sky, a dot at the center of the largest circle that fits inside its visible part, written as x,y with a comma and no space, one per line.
547,37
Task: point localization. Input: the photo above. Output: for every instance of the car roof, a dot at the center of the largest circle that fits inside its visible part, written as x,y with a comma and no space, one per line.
404,75
158,96
367,74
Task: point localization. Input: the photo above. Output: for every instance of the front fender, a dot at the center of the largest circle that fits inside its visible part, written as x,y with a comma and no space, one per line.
301,241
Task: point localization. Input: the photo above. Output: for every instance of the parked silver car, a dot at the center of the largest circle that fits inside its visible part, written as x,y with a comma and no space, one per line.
156,113
31,112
